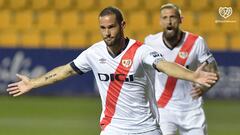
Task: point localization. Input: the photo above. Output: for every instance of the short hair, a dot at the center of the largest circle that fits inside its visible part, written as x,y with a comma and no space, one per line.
112,11
172,6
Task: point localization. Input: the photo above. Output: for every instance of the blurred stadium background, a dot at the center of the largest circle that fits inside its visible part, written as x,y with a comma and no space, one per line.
37,35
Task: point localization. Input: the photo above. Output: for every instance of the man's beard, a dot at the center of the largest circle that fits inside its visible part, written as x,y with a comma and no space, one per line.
115,41
170,35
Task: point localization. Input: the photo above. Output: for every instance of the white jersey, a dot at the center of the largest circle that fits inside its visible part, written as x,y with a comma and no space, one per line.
180,99
128,101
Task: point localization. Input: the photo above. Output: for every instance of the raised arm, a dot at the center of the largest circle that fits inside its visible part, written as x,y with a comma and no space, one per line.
178,71
26,84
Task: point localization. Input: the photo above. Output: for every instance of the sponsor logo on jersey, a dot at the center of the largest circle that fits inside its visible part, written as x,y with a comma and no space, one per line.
183,55
102,61
155,54
127,63
115,77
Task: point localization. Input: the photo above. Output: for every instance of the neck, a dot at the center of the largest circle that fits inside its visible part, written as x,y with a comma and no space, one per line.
117,48
174,41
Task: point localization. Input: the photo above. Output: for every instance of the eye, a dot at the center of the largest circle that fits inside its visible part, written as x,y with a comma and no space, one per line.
164,17
102,27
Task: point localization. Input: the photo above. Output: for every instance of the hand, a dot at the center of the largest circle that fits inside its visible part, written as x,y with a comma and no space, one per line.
21,87
198,90
205,78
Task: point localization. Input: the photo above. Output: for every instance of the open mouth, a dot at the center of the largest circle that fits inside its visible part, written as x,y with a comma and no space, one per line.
170,29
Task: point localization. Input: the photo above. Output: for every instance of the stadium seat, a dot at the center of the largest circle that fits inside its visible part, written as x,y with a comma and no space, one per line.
237,5
5,17
77,39
127,5
84,5
206,22
46,20
232,27
199,6
217,41
31,39
40,4
18,4
140,36
235,42
53,39
105,3
189,21
62,4
9,38
94,37
23,20
90,21
155,22
221,3
180,3
153,5
2,4
70,20
128,33
138,21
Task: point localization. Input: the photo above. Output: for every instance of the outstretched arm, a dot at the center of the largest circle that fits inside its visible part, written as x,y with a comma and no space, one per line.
178,71
26,84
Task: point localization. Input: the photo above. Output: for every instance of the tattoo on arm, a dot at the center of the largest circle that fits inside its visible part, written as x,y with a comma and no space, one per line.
211,67
50,76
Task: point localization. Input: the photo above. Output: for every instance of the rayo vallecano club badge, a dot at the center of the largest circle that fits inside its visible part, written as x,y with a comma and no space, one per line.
127,63
183,55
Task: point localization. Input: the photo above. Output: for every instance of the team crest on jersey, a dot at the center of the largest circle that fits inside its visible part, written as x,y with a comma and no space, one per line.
183,55
127,63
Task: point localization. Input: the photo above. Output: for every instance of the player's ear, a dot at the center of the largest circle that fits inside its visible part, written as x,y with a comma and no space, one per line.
123,24
181,19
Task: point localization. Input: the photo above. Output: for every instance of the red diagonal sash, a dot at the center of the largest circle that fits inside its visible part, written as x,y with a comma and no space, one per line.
116,86
180,59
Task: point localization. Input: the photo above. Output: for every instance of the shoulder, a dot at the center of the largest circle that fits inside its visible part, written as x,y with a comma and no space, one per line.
200,45
199,39
146,49
96,47
153,37
200,42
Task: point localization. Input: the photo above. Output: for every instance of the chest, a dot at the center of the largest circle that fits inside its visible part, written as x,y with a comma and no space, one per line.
190,58
116,68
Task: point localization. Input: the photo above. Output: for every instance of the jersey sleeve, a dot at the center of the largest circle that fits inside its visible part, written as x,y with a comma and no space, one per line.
147,38
81,63
203,52
150,56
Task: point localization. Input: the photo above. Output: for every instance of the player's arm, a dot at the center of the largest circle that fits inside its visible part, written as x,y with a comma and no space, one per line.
178,71
26,84
198,90
212,67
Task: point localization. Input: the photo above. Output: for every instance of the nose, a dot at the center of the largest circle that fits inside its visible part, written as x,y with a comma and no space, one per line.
107,32
169,21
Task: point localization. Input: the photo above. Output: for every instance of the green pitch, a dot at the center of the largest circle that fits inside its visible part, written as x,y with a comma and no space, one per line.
80,116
